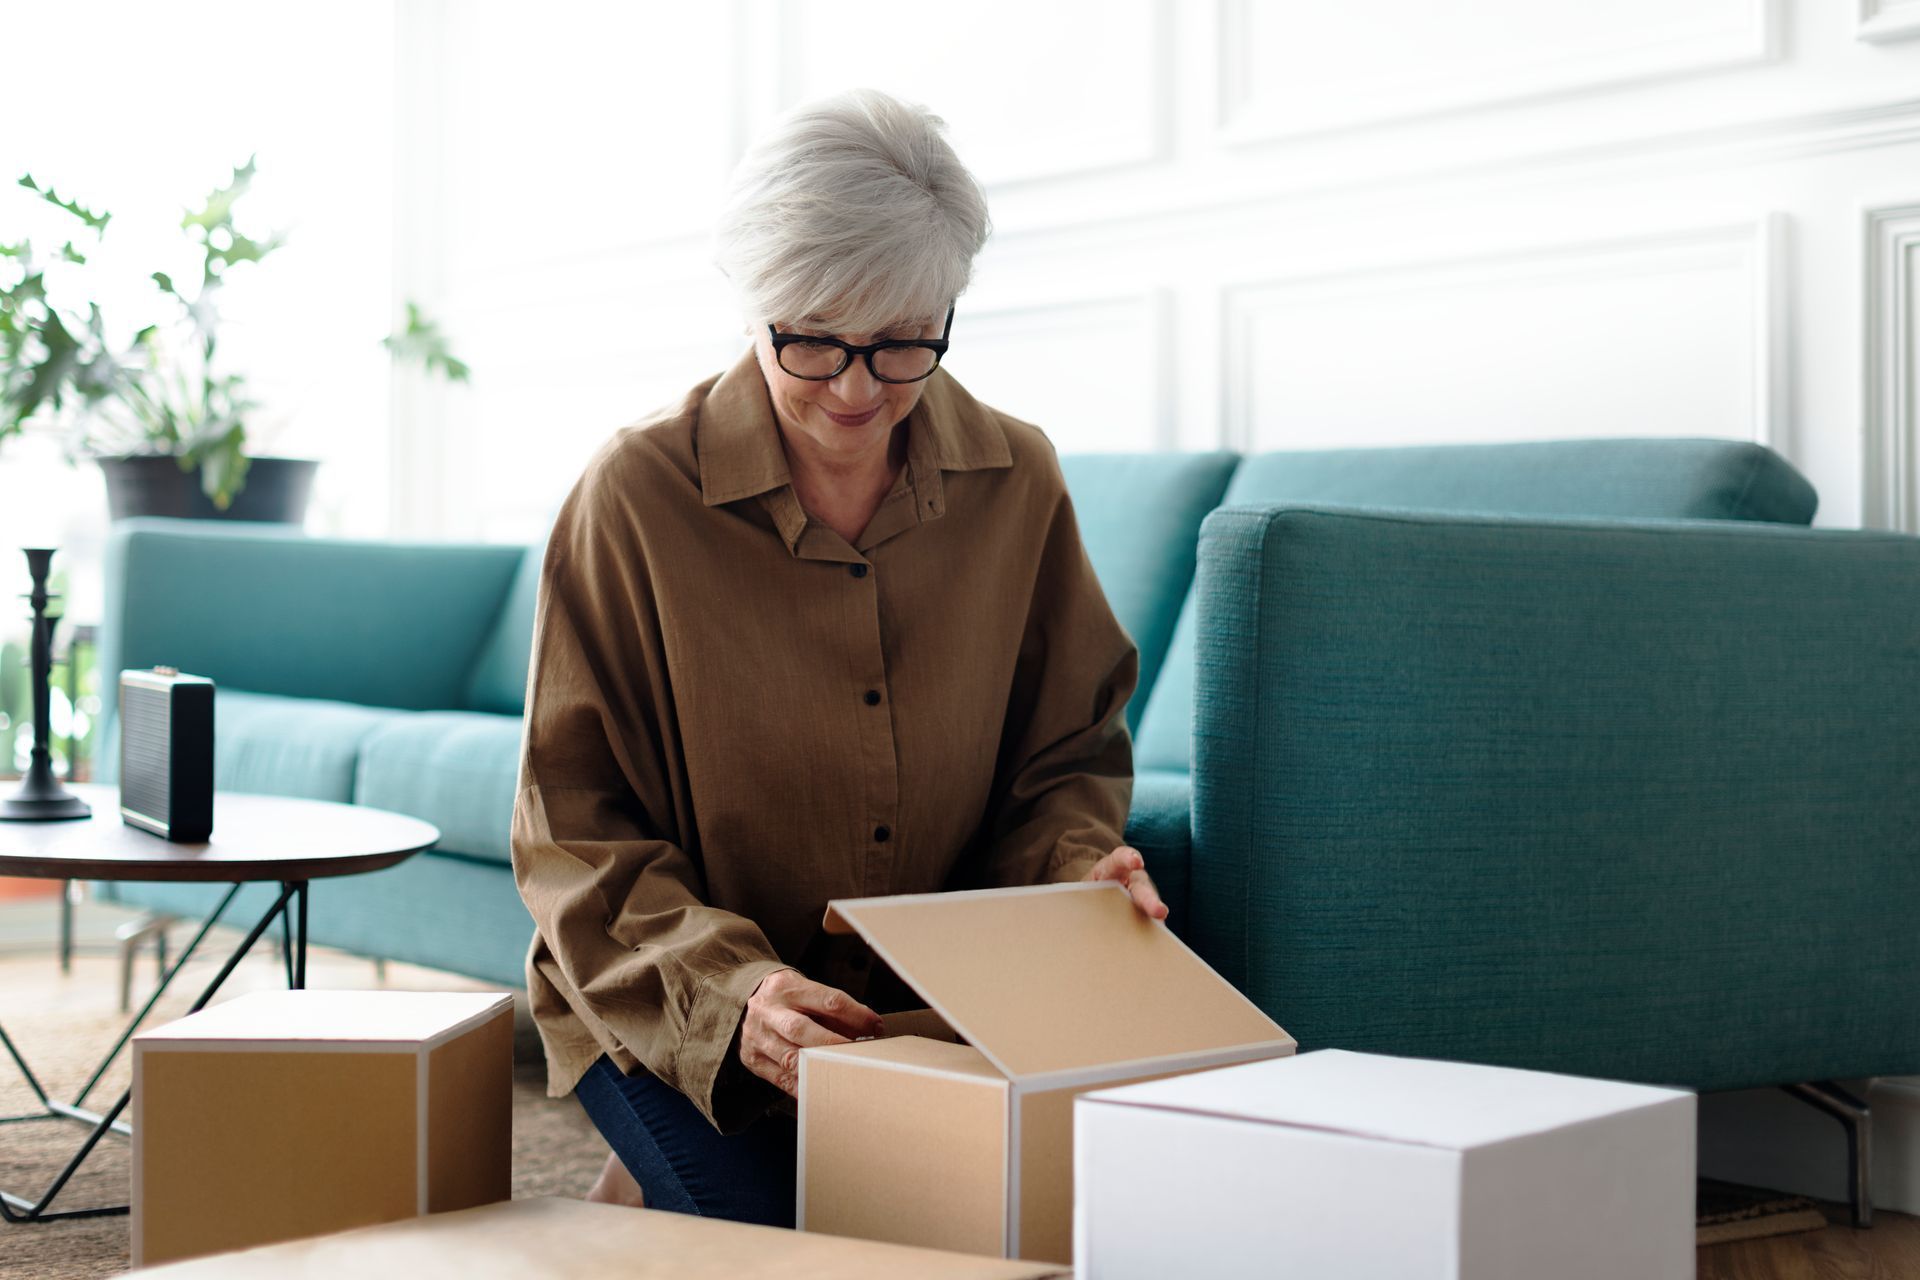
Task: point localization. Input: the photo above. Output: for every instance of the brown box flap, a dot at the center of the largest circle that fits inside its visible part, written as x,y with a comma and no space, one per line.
1058,978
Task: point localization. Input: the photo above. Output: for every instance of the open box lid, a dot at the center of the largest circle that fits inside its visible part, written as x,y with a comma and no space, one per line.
1061,980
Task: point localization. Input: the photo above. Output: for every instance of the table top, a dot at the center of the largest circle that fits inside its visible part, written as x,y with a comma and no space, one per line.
254,838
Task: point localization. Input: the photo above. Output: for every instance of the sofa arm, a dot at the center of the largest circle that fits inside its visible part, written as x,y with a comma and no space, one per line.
270,610
1632,799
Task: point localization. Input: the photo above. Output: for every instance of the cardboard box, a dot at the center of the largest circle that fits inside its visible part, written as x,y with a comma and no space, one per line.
1356,1165
1055,989
282,1114
574,1240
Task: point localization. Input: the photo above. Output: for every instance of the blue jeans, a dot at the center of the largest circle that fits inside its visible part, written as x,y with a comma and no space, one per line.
684,1164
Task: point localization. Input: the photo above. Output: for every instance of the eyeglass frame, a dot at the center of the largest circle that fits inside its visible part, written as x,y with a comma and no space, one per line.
938,345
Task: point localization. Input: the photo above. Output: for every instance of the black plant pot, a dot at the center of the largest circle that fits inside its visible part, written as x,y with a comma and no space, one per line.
276,490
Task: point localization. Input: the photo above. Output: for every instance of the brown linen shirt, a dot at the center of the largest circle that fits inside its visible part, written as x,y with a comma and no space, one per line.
733,717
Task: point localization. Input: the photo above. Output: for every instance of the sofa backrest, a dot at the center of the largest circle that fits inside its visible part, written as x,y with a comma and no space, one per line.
1628,800
498,682
269,609
1616,479
1139,517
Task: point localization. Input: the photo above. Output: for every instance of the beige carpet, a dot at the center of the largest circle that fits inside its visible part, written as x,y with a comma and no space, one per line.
62,1024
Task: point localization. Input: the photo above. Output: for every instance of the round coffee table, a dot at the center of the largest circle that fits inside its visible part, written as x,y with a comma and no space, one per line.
273,839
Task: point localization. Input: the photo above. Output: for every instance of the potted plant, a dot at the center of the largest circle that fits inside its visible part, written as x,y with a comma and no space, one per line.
166,423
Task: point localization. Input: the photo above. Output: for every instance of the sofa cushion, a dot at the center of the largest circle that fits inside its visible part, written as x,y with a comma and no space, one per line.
274,745
1139,517
1161,828
1625,479
455,769
499,680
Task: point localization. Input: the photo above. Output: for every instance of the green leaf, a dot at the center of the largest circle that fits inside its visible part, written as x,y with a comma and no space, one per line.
218,210
31,289
243,249
72,254
98,221
49,376
422,340
223,466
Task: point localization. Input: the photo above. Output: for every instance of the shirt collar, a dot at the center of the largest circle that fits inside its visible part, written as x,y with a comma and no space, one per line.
738,441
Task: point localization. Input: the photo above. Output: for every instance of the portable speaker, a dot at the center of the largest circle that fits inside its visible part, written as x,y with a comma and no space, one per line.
166,753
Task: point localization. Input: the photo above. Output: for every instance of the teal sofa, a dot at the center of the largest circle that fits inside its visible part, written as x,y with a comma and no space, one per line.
1583,755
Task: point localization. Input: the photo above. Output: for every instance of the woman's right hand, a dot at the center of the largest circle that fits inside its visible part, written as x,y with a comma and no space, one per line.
787,1013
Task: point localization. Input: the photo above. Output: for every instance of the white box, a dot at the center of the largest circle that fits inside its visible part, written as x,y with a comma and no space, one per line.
1357,1165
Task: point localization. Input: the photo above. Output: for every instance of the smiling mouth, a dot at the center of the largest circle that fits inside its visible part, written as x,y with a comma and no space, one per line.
851,419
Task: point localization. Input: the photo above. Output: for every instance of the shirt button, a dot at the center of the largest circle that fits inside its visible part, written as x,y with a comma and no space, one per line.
873,697
857,570
881,834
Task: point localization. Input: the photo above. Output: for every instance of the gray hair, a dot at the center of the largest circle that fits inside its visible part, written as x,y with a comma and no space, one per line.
853,212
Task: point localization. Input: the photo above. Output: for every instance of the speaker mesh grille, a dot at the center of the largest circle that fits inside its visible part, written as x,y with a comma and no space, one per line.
146,726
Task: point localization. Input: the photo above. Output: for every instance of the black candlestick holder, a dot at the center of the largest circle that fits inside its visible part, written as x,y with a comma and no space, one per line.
41,797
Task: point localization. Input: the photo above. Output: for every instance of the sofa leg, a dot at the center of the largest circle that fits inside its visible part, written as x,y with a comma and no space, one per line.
153,924
1857,1119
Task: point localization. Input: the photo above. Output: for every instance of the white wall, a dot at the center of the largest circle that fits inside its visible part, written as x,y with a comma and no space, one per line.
1259,225
143,110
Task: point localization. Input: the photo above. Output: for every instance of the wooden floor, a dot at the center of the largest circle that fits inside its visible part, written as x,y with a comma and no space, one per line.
1890,1249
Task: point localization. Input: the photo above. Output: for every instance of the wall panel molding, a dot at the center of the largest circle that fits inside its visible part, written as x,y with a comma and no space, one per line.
1098,121
1889,290
1096,373
418,445
1884,21
1401,88
1608,296
1192,209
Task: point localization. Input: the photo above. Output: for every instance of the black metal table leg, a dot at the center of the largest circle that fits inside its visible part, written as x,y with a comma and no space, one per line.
1856,1117
15,1208
160,990
301,889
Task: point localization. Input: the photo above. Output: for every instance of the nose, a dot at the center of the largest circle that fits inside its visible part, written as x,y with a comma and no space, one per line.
855,385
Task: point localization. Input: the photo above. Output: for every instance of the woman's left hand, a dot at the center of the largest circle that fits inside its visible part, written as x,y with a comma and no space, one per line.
1125,866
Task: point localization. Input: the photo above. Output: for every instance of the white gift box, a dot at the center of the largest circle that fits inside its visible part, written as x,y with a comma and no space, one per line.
1358,1165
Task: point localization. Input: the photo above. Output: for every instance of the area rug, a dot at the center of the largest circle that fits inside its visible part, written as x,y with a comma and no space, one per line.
1725,1211
62,1024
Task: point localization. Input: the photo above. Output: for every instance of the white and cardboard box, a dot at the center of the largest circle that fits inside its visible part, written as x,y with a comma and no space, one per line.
281,1114
1357,1165
574,1240
1055,990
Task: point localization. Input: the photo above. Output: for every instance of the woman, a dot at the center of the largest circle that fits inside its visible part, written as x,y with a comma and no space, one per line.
823,629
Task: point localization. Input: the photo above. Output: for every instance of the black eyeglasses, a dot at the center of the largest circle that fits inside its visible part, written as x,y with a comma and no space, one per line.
894,360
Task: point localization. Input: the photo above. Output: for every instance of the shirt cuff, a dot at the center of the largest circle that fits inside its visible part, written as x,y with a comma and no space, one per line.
728,1102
